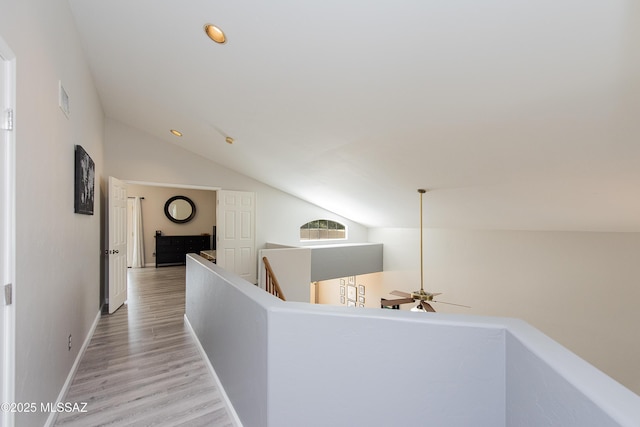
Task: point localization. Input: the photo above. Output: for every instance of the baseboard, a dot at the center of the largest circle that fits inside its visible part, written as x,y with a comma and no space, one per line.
232,412
65,388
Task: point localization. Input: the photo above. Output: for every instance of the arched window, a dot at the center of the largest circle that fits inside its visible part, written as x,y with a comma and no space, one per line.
323,229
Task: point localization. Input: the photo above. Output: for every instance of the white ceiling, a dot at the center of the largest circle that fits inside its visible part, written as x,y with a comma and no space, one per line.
515,114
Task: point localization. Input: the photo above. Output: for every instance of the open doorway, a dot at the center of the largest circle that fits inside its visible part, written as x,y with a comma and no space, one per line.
152,206
152,199
236,228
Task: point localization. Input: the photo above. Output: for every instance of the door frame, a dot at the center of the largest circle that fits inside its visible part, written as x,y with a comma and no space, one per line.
8,243
150,184
168,185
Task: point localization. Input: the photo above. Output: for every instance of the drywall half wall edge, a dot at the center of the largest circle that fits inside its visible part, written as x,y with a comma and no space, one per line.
332,261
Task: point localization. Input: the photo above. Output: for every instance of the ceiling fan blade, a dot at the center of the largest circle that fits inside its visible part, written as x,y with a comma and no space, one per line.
388,302
427,307
436,294
450,303
401,294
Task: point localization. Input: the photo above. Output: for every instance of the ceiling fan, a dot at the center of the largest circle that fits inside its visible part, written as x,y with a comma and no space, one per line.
421,296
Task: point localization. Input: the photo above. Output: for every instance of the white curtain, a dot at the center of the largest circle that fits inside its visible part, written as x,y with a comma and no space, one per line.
137,251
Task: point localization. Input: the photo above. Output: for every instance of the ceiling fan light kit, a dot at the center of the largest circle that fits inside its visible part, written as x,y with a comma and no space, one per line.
422,295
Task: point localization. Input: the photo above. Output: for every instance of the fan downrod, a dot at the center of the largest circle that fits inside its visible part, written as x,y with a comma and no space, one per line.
421,294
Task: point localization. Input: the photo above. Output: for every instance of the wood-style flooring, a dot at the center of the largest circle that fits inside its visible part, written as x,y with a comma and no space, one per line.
142,366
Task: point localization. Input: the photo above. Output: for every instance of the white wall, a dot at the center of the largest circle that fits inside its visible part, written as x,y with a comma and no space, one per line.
136,156
370,367
224,314
285,363
548,386
333,261
57,252
581,289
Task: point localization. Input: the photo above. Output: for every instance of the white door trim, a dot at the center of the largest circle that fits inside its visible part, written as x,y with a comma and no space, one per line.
7,245
169,185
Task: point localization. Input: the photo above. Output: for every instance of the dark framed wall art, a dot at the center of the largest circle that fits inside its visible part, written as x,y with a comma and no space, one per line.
85,171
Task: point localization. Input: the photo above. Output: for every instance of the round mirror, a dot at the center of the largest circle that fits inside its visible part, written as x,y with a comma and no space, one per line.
180,209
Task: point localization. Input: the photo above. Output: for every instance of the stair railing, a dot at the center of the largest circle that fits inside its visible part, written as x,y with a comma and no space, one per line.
271,283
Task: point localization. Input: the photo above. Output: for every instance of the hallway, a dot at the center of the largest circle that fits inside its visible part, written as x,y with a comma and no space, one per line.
143,366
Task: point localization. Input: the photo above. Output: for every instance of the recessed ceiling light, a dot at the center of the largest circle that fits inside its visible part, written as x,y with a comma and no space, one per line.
215,33
176,132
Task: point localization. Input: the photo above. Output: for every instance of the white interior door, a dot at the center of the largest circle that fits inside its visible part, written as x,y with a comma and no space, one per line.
117,251
7,231
236,233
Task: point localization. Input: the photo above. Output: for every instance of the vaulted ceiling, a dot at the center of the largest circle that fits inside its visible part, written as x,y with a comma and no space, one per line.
514,114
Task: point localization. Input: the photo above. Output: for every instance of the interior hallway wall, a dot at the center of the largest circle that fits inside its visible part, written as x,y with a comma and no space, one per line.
58,252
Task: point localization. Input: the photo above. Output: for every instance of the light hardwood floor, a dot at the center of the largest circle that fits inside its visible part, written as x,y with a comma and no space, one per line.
142,366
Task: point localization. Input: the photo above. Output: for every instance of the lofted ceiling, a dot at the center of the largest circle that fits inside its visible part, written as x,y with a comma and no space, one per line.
514,114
